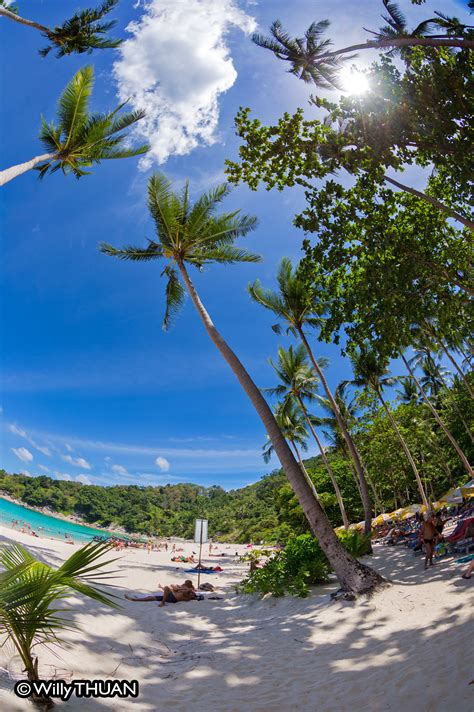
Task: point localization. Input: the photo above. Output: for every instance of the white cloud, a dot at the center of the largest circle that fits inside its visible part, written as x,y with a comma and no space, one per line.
76,461
119,469
68,447
175,66
26,473
23,434
23,454
63,476
44,468
83,479
162,463
17,431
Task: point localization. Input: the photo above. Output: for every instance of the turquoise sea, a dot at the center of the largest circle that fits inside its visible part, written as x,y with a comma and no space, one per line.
44,525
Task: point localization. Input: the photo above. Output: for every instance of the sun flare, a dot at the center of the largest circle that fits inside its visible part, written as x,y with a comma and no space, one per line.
353,81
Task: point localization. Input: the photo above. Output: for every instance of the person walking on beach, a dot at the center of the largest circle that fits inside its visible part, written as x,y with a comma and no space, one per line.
428,535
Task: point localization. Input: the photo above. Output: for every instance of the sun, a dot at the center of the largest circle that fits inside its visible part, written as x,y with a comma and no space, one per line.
353,81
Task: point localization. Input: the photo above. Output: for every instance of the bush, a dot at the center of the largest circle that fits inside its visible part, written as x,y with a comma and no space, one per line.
356,543
300,564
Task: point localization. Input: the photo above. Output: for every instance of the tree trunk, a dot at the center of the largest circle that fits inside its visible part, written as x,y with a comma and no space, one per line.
458,369
406,449
29,23
347,437
400,42
440,422
455,405
429,199
10,173
352,575
331,474
303,469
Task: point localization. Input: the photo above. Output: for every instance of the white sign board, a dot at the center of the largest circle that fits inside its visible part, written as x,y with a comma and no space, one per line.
200,531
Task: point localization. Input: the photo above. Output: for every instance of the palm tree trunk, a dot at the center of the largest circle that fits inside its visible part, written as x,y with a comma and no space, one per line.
455,405
458,369
429,199
352,575
10,173
331,474
406,449
347,437
16,18
303,468
440,422
401,42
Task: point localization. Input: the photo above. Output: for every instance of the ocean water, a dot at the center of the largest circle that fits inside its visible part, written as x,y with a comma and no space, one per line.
44,525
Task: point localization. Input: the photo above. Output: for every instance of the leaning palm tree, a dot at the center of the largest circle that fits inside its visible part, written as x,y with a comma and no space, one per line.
195,235
312,59
80,139
298,381
83,32
371,372
30,591
466,464
348,409
294,306
408,393
292,424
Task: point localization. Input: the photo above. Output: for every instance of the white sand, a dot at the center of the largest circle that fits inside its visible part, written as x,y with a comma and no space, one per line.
407,648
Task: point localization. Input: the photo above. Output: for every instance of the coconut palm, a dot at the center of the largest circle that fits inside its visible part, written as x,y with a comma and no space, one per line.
30,591
292,424
294,306
83,32
371,372
408,393
303,53
313,60
80,139
348,409
298,381
196,235
466,464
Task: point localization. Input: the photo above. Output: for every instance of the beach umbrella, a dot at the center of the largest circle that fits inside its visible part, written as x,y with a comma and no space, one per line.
398,513
381,519
453,496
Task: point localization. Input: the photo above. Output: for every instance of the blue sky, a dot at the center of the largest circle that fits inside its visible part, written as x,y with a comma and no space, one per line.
92,388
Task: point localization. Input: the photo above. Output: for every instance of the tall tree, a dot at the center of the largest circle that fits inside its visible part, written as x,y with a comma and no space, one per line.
298,381
194,235
80,138
371,372
83,32
466,464
297,308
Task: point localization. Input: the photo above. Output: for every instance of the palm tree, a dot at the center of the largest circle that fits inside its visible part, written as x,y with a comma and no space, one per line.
348,409
303,53
293,305
449,435
80,138
298,381
83,32
292,424
408,392
371,372
312,60
30,591
195,235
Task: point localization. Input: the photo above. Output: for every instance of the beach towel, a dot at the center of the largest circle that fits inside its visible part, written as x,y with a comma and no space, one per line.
203,571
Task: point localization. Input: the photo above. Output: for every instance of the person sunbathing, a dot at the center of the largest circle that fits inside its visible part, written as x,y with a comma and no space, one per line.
175,593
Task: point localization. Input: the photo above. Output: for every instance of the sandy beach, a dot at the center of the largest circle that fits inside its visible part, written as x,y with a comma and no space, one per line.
408,648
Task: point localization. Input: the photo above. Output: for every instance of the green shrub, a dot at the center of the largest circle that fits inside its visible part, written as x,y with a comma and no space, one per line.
355,542
300,564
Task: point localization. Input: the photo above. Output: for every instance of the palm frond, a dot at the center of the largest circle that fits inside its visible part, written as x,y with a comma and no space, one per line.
175,295
134,254
74,101
225,254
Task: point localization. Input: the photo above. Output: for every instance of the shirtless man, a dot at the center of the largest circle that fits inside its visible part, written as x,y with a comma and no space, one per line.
171,594
428,535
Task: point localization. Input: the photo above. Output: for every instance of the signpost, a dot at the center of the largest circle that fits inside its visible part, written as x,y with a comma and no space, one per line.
200,537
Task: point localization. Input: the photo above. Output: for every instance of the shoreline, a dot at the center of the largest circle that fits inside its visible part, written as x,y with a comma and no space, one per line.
72,519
